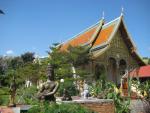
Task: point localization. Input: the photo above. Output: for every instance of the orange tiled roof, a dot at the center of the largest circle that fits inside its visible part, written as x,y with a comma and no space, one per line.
103,35
79,40
85,37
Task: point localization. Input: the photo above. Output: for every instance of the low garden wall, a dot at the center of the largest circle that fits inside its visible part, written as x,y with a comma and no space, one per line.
98,105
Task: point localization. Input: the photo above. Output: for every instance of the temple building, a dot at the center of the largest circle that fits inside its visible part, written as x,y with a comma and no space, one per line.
113,51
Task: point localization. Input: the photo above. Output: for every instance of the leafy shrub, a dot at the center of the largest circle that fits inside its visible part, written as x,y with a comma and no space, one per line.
145,89
4,96
4,91
110,91
59,108
27,95
70,86
121,104
95,89
4,99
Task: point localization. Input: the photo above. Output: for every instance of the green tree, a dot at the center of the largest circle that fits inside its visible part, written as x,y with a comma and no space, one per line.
67,63
149,61
78,57
16,62
58,60
2,69
3,66
28,57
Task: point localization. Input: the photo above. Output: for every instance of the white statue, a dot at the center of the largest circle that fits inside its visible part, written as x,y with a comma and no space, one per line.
28,83
85,92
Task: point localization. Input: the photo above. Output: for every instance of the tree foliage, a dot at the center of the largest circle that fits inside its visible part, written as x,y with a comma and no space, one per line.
28,57
149,61
78,56
63,61
22,67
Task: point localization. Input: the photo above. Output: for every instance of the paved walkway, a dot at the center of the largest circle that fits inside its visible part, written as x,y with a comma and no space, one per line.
139,106
6,110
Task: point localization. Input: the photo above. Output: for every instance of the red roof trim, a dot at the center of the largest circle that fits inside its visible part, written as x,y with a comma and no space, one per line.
141,72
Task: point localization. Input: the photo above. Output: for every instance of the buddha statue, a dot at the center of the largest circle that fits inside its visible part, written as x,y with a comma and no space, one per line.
48,88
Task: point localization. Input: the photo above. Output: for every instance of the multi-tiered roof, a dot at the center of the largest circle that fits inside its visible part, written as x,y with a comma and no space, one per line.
99,36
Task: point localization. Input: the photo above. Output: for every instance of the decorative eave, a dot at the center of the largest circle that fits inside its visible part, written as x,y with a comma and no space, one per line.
106,45
100,49
130,44
97,31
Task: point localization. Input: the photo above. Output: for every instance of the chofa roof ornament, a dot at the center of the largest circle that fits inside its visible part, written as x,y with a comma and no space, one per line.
122,11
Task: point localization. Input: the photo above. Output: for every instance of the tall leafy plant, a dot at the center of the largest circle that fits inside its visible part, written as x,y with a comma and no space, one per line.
67,63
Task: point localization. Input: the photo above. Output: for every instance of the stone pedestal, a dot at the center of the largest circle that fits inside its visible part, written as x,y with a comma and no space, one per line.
98,105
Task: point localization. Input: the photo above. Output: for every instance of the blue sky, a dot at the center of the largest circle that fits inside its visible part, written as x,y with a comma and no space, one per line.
33,25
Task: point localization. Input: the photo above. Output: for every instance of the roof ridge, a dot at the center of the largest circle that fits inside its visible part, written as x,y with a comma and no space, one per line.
112,34
97,31
111,21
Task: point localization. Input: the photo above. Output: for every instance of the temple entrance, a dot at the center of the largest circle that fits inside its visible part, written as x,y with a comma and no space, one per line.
112,70
122,69
99,71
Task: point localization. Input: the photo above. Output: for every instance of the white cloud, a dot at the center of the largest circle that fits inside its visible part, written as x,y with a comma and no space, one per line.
9,52
34,48
43,56
36,56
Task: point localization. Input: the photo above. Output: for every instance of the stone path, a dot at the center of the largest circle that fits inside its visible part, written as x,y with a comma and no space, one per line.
139,106
6,110
9,109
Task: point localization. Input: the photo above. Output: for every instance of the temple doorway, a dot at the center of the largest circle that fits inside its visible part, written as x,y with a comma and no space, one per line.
122,69
99,71
112,70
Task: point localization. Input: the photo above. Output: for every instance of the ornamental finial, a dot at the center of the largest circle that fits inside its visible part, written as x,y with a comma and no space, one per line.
122,11
103,15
